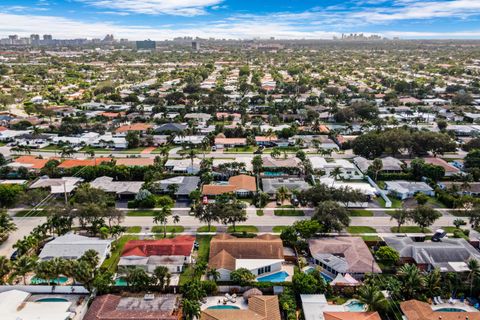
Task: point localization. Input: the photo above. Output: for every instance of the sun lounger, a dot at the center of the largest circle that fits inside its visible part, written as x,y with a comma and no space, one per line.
440,300
435,301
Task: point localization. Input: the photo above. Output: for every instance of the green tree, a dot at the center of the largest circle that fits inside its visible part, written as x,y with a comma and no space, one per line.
5,269
372,297
305,283
133,139
208,213
242,276
424,216
191,309
161,216
282,194
376,167
162,276
213,274
24,265
473,272
138,279
412,281
402,216
331,216
388,255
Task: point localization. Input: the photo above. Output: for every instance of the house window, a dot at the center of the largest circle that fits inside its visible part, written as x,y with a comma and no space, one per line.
268,269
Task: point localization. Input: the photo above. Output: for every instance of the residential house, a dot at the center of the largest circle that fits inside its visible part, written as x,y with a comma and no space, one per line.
342,255
403,189
200,118
266,141
270,163
242,185
134,162
389,164
448,255
419,310
170,127
16,305
320,141
172,253
347,169
73,246
259,308
30,162
271,185
141,128
316,307
153,307
122,189
196,140
183,166
72,163
471,188
221,143
62,185
185,185
450,170
261,255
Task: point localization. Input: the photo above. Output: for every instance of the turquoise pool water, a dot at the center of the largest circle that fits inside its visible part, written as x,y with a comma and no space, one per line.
275,277
355,306
52,300
59,280
450,310
224,307
121,282
273,174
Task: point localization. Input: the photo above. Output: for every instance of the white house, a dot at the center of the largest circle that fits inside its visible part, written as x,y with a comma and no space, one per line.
406,189
348,170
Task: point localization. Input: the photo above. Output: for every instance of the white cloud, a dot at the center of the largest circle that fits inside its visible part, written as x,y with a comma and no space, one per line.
154,7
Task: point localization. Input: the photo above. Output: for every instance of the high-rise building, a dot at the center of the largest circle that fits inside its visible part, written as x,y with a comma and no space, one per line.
196,45
34,37
146,45
47,37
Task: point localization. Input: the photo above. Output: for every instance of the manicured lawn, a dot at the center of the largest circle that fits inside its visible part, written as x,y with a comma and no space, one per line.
278,229
360,213
458,213
289,213
259,213
361,229
371,238
140,213
51,148
409,229
435,203
450,229
29,213
135,229
396,203
240,149
110,264
170,229
202,256
205,229
243,229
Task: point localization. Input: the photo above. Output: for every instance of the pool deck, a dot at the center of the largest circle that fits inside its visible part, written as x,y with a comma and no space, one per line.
456,304
213,301
288,268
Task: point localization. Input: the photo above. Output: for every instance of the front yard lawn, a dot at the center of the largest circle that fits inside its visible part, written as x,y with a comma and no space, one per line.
135,229
409,229
170,229
140,213
289,213
361,229
110,264
205,229
396,203
360,213
202,256
31,213
279,229
259,213
242,229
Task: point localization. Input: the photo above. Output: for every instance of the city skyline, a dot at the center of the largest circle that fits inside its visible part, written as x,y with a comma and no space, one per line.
232,19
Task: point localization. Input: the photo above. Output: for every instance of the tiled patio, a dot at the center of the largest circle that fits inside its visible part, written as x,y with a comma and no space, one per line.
218,300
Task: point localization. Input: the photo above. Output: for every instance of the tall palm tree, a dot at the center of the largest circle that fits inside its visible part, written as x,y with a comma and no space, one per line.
213,274
335,173
191,309
372,297
163,276
161,216
433,283
24,265
282,194
473,272
412,280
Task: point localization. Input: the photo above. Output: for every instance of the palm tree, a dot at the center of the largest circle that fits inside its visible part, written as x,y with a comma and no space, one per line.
282,194
191,309
91,257
213,273
473,272
433,283
335,173
24,265
372,297
376,167
163,276
176,219
161,216
412,280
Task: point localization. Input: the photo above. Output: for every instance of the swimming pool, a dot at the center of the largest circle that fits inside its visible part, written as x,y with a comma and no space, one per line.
52,300
224,307
59,280
450,310
274,277
273,174
355,306
120,282
325,276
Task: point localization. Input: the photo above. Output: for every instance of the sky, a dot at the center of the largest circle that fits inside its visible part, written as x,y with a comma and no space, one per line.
241,19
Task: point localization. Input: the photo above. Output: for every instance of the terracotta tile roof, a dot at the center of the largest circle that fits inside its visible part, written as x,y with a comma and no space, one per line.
110,307
259,308
265,139
178,246
442,163
230,141
3,128
32,161
72,163
235,183
418,310
111,114
132,162
266,306
134,127
219,314
351,316
260,247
